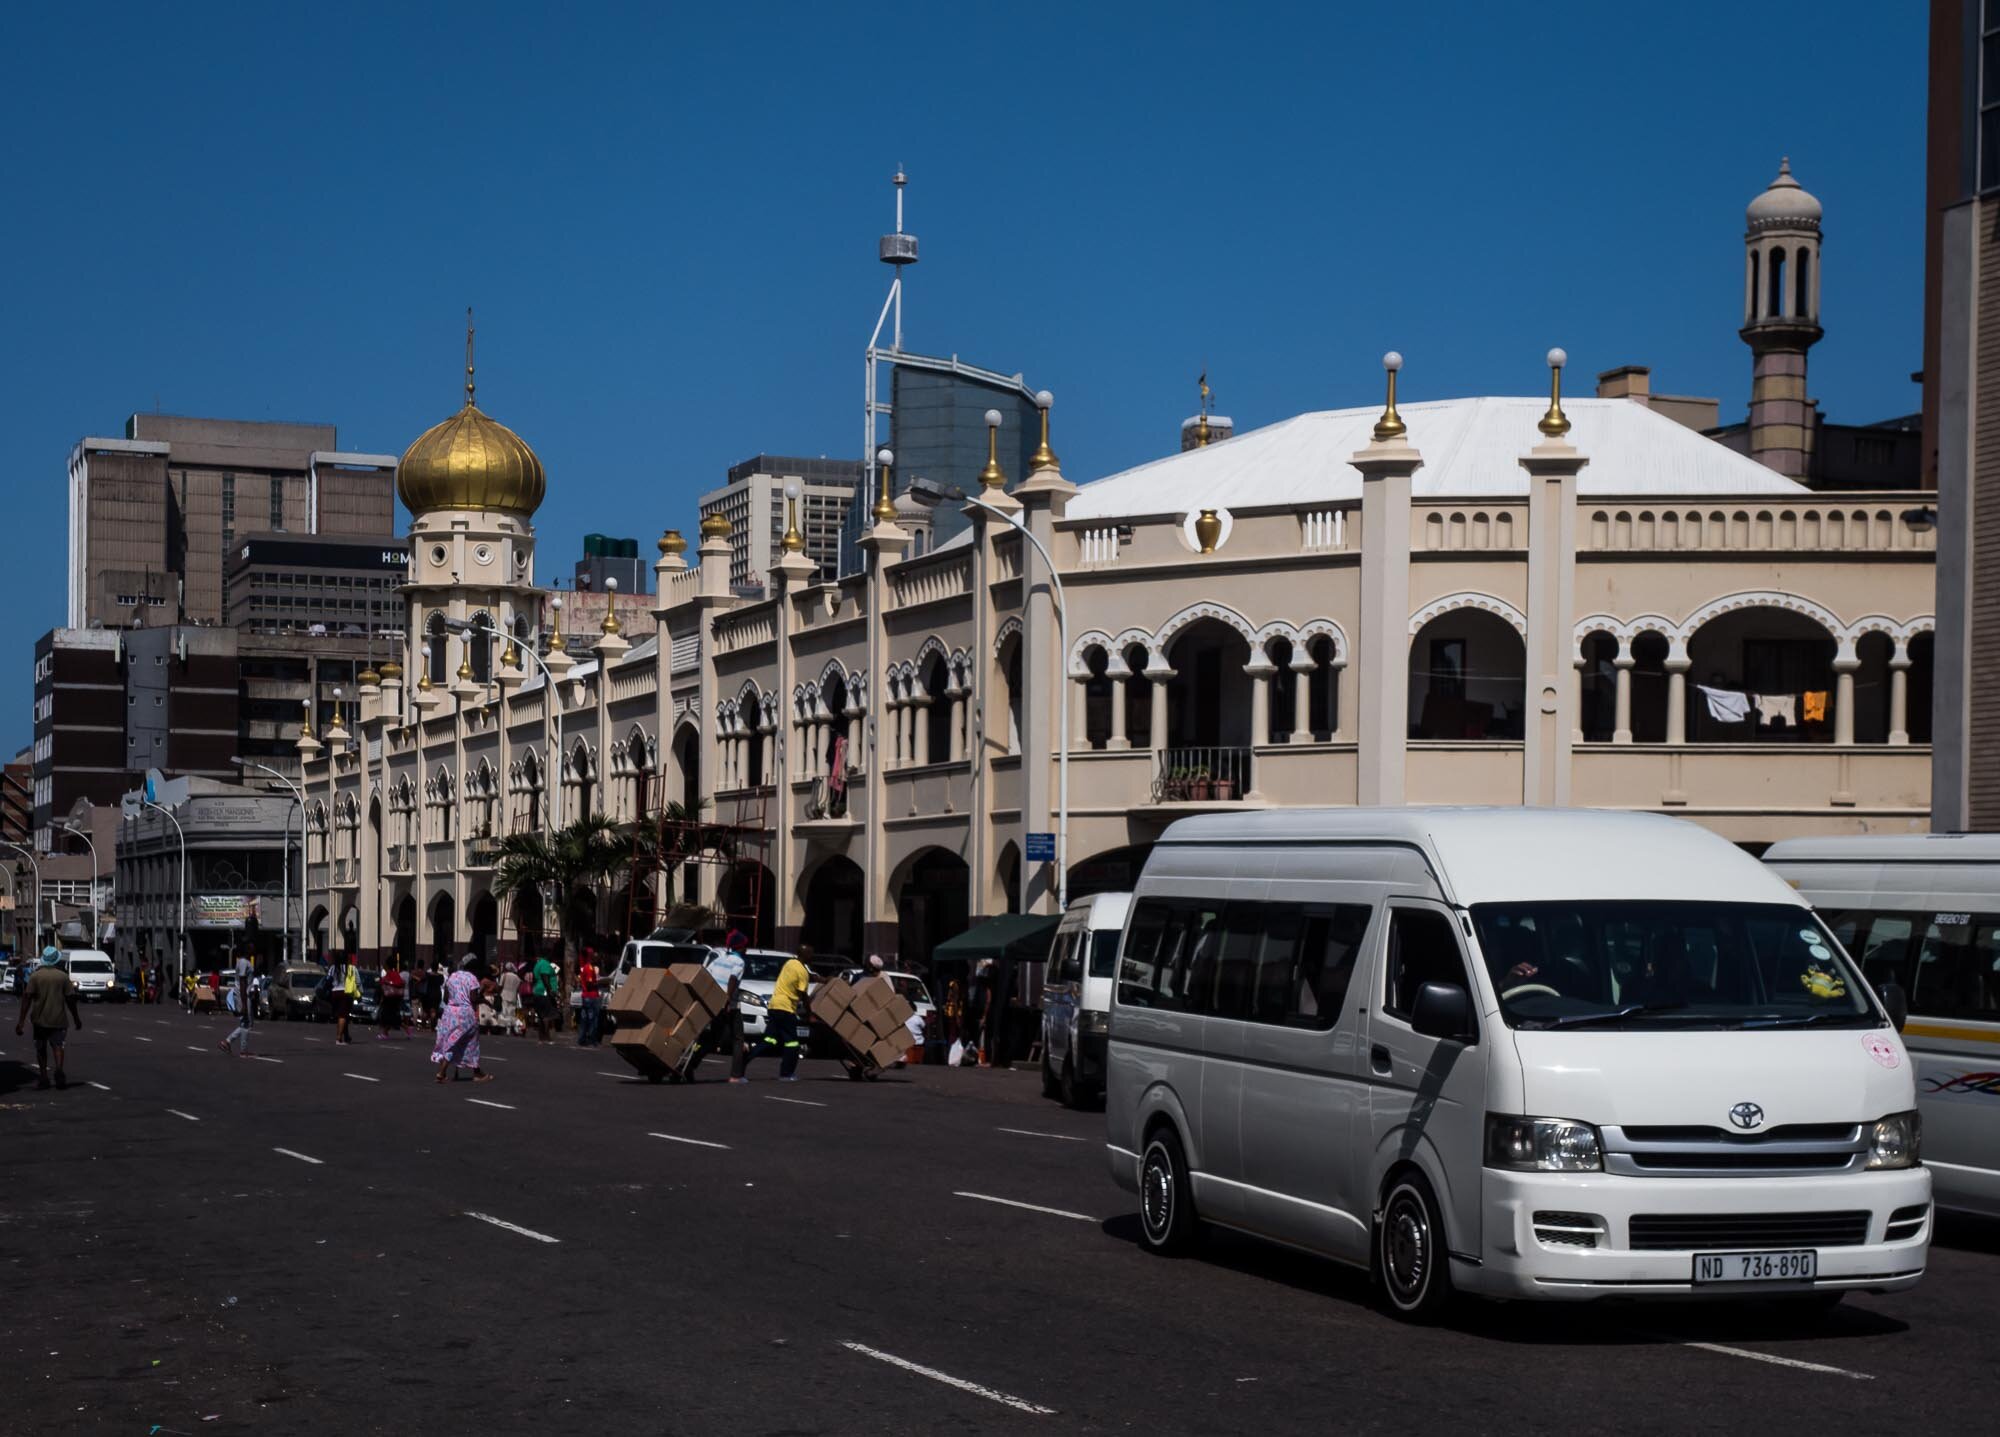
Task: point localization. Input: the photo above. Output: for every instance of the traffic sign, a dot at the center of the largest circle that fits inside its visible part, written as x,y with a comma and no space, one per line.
1041,848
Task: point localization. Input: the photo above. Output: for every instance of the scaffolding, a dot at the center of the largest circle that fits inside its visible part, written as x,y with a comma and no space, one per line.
734,854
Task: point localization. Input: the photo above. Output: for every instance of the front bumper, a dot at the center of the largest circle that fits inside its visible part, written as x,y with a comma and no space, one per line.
1515,1262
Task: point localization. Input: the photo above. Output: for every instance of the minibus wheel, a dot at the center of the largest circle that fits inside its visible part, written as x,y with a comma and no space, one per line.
1166,1199
1412,1267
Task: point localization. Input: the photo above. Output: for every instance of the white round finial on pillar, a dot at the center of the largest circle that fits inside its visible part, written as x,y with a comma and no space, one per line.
1392,361
1557,358
1044,399
992,419
885,456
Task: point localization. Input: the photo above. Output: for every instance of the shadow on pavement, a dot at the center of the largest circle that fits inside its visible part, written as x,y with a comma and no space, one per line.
1967,1232
1606,1323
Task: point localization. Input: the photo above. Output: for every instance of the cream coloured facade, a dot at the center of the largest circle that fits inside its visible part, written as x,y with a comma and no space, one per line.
1489,600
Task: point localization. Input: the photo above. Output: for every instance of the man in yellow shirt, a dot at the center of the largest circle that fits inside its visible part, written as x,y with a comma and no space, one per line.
784,1023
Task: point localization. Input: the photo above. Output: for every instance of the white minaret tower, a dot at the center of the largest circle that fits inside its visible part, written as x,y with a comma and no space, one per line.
1781,321
897,251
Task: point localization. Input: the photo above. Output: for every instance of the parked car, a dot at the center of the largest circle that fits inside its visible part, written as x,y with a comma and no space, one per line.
365,1006
93,972
1076,997
289,994
1543,1054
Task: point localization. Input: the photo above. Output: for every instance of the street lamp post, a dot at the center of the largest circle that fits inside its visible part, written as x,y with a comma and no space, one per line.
285,929
35,864
930,492
181,934
96,918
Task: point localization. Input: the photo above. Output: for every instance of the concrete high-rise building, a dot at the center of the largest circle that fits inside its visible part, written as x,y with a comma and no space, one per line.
154,515
607,558
753,501
1961,400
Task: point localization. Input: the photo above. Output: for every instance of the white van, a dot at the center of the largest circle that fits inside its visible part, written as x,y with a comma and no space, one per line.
1076,997
1922,911
1521,1053
93,972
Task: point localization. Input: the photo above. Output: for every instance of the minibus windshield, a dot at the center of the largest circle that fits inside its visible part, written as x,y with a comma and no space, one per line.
1668,965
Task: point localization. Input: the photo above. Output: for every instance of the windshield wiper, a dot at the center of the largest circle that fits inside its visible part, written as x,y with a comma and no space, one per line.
1807,1020
1610,1015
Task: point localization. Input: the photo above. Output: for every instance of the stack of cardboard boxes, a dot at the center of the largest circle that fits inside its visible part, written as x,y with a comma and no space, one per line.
661,1014
870,1017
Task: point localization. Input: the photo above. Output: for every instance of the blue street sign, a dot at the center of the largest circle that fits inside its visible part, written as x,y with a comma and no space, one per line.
1041,848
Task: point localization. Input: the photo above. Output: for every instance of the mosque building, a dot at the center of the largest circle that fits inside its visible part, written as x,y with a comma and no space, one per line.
1495,600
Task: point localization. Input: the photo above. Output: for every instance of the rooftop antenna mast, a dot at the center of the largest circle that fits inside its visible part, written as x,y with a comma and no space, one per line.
896,251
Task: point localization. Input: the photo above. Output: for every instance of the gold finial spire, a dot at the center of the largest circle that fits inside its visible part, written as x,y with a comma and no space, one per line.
556,644
993,476
1044,457
1555,423
885,507
1201,429
468,356
610,624
424,680
1390,425
671,542
793,541
465,666
306,727
510,657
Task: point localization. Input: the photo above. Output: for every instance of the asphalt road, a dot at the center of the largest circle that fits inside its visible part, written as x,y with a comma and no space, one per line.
330,1242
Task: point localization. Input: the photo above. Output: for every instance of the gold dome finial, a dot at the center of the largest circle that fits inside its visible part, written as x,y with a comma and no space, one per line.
1555,423
993,476
556,644
1044,457
716,526
306,725
391,670
794,542
510,657
424,680
885,507
468,357
1201,429
368,676
610,624
470,461
1390,425
671,542
465,667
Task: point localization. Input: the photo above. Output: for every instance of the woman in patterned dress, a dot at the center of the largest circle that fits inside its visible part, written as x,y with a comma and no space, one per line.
457,1043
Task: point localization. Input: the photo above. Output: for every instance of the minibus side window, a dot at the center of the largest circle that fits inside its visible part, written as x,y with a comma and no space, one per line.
1103,951
1422,949
1329,943
1237,962
1883,943
1958,968
1167,935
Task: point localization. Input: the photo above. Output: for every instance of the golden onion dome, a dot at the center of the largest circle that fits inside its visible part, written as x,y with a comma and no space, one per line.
470,462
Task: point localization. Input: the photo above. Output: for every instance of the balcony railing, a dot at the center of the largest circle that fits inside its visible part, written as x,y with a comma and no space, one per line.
1201,775
401,857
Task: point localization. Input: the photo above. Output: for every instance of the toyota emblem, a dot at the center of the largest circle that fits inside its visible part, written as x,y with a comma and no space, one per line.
1746,1115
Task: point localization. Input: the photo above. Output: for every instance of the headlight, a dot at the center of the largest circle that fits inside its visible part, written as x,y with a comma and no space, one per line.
1089,1021
753,1000
1544,1145
1897,1141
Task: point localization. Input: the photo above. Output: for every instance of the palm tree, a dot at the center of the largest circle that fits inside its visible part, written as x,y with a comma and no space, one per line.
573,861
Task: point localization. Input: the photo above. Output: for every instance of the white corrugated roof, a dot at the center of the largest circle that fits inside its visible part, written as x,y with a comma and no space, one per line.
1472,449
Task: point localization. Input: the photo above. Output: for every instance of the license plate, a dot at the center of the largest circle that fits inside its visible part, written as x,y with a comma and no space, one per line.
1794,1266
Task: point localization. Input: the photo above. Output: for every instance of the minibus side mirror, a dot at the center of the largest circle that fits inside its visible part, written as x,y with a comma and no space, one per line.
1898,1004
1442,1010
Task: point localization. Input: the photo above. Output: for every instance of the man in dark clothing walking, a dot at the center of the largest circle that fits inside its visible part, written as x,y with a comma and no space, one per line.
49,1000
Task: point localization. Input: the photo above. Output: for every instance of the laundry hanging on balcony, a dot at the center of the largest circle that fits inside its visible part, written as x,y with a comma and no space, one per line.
1726,705
1777,708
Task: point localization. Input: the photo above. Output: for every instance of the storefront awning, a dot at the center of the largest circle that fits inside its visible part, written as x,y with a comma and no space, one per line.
1011,935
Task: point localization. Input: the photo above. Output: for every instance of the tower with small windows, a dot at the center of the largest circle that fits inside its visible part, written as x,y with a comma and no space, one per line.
472,486
1781,321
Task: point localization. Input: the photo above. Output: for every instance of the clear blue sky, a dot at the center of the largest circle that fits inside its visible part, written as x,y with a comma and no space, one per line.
666,218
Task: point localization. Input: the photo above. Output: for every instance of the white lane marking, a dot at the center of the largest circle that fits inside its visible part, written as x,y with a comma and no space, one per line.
1004,1399
260,1058
524,1231
620,1076
361,1077
491,1059
314,1040
1031,1207
1031,1133
300,1156
137,1039
485,1104
101,1087
1781,1361
801,1102
179,1114
193,1049
691,1142
163,1023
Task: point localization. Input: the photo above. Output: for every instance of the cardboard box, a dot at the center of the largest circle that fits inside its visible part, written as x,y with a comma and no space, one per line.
653,1049
899,1007
639,999
830,1000
854,1032
886,1052
884,1024
690,987
869,995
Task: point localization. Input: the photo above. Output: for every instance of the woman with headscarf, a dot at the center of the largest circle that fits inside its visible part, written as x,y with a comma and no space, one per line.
457,1043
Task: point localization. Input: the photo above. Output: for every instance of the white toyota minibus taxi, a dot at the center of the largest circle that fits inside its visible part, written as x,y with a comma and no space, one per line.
1513,1052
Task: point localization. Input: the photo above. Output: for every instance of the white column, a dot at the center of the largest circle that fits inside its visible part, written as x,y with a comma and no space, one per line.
1160,677
1260,670
958,726
1899,694
1843,700
1120,676
1079,714
1677,670
920,721
1303,669
1339,730
1621,731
